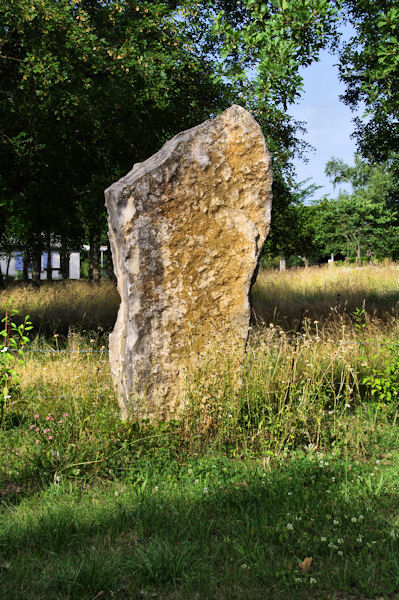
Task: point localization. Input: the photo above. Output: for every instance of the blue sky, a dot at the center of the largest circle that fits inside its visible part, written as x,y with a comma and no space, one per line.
328,122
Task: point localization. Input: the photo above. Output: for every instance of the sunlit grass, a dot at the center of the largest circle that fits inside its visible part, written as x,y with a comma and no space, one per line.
327,294
61,306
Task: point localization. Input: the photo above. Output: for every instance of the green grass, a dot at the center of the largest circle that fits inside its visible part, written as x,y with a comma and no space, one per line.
211,527
281,455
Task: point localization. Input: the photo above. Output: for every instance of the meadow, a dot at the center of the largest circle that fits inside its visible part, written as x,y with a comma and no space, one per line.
280,480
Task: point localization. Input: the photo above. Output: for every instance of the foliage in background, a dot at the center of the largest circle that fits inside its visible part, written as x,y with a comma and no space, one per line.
292,232
264,48
365,222
355,226
369,66
361,225
90,88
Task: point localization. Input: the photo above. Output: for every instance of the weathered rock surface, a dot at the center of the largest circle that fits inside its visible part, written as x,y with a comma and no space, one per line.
186,228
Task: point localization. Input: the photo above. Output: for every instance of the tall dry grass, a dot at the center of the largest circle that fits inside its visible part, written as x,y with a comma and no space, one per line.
292,387
58,307
285,392
327,294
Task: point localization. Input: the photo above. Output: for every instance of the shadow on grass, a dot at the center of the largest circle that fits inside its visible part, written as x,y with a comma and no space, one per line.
59,307
209,533
324,306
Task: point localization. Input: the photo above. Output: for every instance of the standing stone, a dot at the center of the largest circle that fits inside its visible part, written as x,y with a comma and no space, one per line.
186,229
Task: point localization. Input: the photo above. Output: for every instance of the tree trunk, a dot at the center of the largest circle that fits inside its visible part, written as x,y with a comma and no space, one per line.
94,258
110,265
305,261
283,264
90,258
2,284
8,266
96,262
25,270
358,255
49,268
36,265
64,262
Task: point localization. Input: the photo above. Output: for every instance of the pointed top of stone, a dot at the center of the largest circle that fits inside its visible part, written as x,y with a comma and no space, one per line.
233,116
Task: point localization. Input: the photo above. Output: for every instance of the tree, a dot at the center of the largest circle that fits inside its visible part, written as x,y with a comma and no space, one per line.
365,222
381,180
369,66
292,233
355,226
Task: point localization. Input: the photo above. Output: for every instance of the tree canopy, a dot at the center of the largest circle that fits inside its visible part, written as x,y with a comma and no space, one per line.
364,223
369,66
